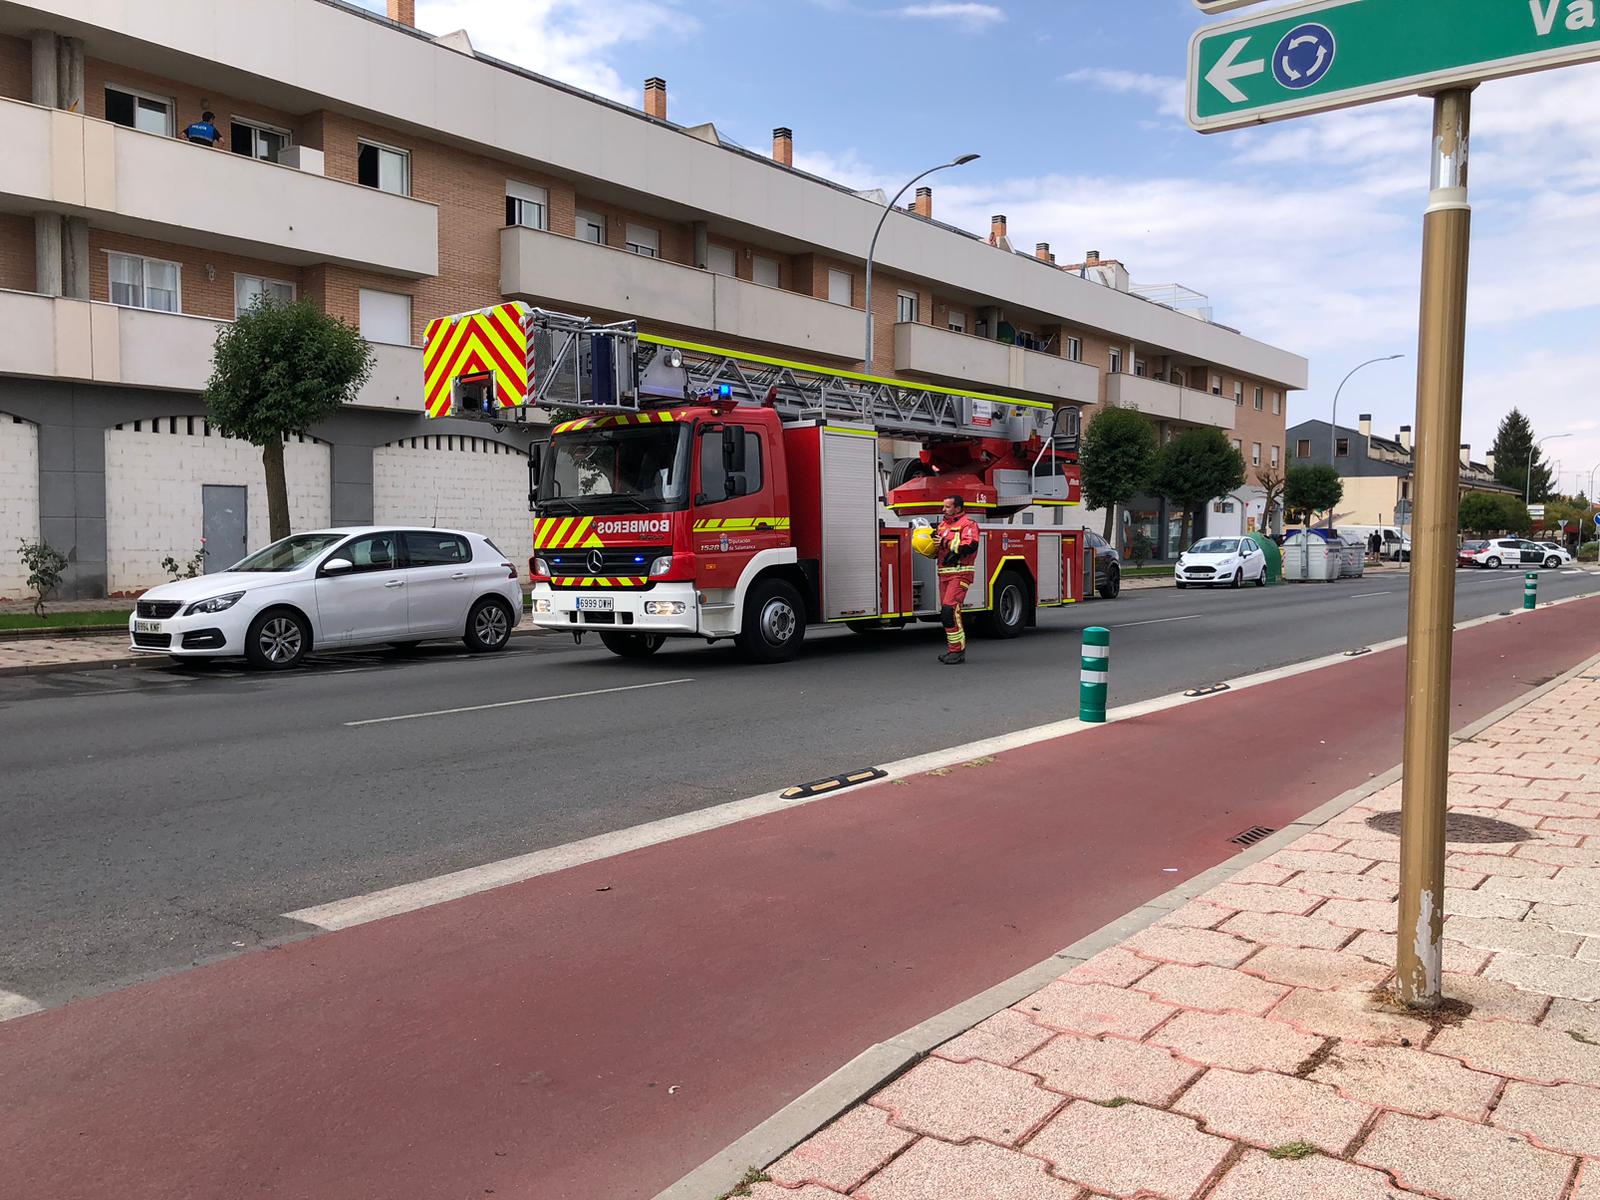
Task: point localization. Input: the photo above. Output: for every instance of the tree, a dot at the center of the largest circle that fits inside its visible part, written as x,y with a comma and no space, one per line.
1271,482
1489,513
279,369
45,566
1118,456
1309,490
1195,468
1513,442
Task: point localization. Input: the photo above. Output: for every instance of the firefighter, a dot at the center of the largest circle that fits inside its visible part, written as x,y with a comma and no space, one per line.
958,550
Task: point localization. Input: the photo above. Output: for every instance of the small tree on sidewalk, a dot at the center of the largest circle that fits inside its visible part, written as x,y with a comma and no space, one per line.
1270,481
279,369
1119,454
1310,490
1195,468
45,566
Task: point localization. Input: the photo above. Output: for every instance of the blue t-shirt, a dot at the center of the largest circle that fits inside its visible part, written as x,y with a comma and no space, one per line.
202,131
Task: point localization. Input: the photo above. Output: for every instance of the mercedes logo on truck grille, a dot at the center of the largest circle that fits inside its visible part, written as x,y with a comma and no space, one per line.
597,562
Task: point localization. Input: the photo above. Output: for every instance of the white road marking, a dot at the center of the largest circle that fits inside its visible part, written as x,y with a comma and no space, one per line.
447,712
1160,621
13,1005
1364,595
1572,572
408,897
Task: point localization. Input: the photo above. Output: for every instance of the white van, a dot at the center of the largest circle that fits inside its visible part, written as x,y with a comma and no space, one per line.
1396,543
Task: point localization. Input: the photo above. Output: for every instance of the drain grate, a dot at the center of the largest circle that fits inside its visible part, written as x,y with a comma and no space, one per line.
1252,835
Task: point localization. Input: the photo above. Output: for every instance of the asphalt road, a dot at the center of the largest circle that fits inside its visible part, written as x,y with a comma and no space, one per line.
157,818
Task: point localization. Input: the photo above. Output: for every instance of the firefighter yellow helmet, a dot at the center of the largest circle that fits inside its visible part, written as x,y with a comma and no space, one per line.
924,541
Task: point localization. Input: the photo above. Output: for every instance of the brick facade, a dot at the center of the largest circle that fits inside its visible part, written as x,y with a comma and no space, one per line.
16,253
206,277
16,68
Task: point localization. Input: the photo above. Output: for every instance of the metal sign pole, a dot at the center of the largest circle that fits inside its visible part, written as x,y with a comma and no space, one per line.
1440,367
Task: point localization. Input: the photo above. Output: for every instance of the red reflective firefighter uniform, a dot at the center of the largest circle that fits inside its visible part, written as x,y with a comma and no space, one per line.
958,549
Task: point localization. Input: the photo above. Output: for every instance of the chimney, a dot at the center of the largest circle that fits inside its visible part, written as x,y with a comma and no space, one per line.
923,204
1405,438
782,141
1466,455
1366,425
1091,258
1042,252
1488,461
404,12
997,230
655,97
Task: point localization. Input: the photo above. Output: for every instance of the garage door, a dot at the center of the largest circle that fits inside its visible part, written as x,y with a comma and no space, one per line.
471,483
19,501
157,473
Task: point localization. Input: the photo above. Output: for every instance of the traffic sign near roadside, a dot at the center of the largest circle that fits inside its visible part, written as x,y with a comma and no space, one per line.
1324,54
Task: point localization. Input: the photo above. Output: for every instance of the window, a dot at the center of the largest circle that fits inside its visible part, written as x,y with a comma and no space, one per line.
254,140
720,261
715,477
1178,377
384,168
840,284
145,283
386,317
436,549
1075,349
247,289
139,110
1275,456
1238,393
644,241
1260,398
378,552
1139,367
1114,361
1302,448
1341,448
957,322
1238,444
907,314
1216,385
591,227
1277,403
765,271
527,205
1255,454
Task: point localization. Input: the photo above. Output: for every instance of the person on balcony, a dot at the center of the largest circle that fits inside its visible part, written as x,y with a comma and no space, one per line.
204,132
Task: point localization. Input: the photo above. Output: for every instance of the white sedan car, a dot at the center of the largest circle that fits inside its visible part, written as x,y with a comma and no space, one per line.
1229,560
334,589
1512,552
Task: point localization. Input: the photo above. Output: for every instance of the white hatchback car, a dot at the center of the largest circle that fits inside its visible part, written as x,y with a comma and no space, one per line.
333,589
1229,560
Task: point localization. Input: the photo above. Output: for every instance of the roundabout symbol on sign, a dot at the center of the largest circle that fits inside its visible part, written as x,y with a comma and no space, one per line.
1304,56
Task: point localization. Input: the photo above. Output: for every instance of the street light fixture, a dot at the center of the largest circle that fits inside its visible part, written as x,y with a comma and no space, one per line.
873,249
1527,490
1333,427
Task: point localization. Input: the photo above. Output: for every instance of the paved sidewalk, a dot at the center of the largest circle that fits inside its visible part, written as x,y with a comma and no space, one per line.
1241,1048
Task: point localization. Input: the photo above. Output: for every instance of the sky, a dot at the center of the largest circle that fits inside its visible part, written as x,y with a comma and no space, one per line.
1305,234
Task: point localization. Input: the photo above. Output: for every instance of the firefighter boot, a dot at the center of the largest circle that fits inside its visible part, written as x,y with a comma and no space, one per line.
953,658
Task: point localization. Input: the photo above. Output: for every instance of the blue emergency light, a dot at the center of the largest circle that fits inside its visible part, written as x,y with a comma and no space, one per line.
725,390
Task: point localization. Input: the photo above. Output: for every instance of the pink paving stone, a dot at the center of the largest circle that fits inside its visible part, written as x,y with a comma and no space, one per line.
1446,1157
771,1191
1517,937
1319,841
932,1170
1360,914
1197,947
1459,958
1003,1038
1258,1177
1253,897
1116,966
1377,846
1571,979
1561,856
1581,919
1535,1054
1344,886
1108,1068
1273,1110
1282,929
1325,969
1231,1040
1262,872
1553,808
1588,1181
1197,915
1349,1015
1564,1117
1499,865
843,1154
1411,1081
1473,902
1094,1008
1582,826
1129,1151
1215,989
1574,1016
1455,877
1563,889
956,1101
1317,860
1490,997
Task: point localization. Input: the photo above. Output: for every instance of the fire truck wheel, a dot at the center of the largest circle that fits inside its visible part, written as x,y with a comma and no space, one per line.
1010,612
774,622
489,626
632,645
1112,587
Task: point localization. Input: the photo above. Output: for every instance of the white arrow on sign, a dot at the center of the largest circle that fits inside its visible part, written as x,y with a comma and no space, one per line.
1228,69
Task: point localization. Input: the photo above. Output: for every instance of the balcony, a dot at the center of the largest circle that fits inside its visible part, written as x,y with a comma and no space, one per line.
961,359
164,188
546,268
1169,402
49,338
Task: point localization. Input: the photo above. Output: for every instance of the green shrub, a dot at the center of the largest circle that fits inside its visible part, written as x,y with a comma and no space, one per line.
45,566
1589,551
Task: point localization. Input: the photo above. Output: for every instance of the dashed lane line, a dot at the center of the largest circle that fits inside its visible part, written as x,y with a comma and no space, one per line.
449,712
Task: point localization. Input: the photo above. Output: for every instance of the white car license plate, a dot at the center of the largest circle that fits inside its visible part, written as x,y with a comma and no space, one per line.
594,603
147,626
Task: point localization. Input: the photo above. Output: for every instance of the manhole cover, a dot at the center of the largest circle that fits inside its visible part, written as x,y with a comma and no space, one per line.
1459,827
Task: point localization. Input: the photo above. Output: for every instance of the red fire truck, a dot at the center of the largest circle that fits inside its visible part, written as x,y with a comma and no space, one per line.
692,492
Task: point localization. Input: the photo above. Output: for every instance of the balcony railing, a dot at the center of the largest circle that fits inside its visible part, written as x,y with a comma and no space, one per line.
958,358
1169,402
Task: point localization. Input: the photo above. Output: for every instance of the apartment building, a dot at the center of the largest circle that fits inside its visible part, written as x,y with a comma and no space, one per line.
391,176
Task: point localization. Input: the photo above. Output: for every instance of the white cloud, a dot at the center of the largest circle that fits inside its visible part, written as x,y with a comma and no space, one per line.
1165,89
973,16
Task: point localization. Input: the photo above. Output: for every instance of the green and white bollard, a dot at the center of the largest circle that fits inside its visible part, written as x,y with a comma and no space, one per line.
1096,671
1530,590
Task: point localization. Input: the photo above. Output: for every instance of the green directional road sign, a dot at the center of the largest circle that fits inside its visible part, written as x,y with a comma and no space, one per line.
1324,54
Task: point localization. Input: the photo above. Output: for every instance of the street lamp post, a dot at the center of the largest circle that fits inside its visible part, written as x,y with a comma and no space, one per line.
873,249
1333,425
1527,489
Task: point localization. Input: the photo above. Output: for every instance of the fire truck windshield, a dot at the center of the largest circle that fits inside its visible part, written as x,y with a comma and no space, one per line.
629,468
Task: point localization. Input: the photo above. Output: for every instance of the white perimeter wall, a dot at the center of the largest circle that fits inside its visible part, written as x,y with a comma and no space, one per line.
154,474
460,482
19,501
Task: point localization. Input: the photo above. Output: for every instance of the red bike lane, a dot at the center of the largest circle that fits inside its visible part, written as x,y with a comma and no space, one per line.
598,1032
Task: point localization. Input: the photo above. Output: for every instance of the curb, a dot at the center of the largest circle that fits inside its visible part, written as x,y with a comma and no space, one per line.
886,1061
66,632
